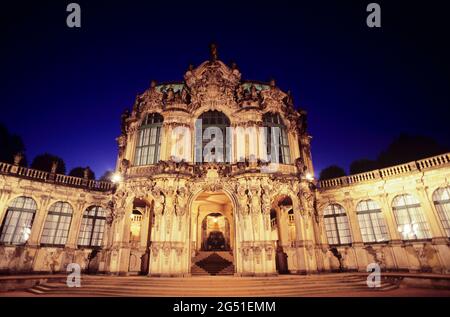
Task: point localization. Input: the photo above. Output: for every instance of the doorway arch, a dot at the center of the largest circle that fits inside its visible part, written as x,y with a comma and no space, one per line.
212,212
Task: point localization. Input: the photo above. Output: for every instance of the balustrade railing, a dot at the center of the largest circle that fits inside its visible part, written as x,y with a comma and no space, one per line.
421,165
29,173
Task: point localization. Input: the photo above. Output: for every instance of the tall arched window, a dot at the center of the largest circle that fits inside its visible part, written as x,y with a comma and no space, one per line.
371,221
57,224
276,139
16,227
410,218
149,140
336,225
92,227
208,146
441,198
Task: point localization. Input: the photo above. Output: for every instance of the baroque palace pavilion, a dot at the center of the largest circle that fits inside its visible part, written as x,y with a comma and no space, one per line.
174,211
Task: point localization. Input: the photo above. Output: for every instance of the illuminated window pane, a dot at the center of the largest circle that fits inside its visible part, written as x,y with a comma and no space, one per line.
441,198
216,122
16,227
149,140
57,224
337,226
410,219
276,138
92,227
371,222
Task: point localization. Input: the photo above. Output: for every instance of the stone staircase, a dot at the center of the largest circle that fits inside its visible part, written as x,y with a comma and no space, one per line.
213,263
216,286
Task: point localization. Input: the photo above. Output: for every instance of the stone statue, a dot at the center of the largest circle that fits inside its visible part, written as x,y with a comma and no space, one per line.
124,164
170,97
184,95
272,83
54,167
300,164
253,93
123,121
213,52
18,158
159,202
86,172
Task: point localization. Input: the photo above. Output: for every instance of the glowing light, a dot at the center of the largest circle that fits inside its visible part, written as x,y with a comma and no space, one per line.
309,177
215,219
26,233
407,229
116,178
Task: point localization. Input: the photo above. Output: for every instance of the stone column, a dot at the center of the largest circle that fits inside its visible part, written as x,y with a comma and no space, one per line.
438,253
357,243
398,253
72,238
120,249
165,137
301,242
428,208
38,222
4,197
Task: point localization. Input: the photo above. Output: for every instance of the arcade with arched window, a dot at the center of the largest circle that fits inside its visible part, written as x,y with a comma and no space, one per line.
371,222
57,224
16,227
337,226
441,199
410,218
92,227
148,144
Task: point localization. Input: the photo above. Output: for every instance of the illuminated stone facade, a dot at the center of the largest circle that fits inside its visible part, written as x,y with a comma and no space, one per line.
273,215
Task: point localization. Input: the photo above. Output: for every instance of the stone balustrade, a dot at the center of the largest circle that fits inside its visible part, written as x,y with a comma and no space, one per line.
5,167
71,181
421,165
189,169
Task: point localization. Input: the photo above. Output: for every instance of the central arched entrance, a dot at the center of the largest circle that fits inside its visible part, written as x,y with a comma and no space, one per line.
212,234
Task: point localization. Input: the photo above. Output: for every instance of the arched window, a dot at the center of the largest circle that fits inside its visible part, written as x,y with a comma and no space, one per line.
336,225
441,198
410,218
92,227
149,140
371,221
56,227
208,146
276,139
16,227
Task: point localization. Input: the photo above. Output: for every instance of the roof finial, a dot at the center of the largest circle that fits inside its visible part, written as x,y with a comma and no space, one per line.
213,52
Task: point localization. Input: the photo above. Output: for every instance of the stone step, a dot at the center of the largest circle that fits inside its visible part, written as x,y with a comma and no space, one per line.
220,286
196,292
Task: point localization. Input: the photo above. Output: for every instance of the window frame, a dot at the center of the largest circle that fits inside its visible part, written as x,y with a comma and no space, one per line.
274,120
95,219
443,208
53,236
334,216
383,228
152,122
21,210
409,210
226,123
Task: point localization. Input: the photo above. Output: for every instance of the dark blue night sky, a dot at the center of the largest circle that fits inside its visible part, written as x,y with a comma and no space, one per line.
63,90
